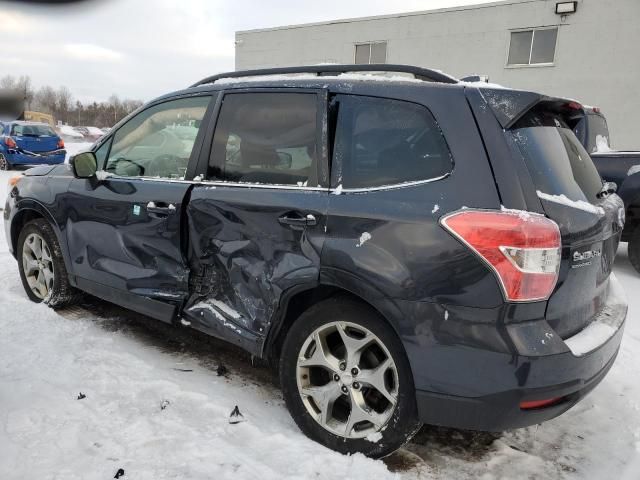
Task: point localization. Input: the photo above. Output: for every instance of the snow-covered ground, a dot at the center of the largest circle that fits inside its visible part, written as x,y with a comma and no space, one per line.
129,367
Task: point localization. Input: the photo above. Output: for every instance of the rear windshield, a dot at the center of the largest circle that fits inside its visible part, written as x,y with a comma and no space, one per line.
556,160
33,131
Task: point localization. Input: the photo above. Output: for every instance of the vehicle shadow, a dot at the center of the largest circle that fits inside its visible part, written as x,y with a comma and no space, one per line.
220,357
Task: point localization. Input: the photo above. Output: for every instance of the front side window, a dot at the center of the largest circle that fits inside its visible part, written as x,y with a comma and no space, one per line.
268,138
382,142
374,52
158,141
533,47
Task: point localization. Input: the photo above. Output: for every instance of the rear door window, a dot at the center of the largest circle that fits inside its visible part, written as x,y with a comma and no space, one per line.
381,142
556,160
266,138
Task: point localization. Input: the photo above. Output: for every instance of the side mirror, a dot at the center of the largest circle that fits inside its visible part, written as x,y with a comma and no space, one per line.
84,165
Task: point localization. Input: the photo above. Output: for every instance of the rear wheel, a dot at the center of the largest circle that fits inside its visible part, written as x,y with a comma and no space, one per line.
346,379
634,249
4,163
42,270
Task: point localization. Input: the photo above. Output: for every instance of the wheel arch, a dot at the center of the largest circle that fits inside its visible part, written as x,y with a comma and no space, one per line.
29,210
332,283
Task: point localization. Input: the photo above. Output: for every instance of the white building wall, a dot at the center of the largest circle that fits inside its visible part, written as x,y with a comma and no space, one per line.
597,58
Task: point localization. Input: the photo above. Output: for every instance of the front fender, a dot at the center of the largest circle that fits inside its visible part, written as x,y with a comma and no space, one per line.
26,209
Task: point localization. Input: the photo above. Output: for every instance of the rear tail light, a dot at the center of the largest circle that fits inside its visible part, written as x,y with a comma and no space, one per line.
10,142
60,143
523,249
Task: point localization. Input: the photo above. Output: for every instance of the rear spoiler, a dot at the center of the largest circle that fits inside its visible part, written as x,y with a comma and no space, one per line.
509,106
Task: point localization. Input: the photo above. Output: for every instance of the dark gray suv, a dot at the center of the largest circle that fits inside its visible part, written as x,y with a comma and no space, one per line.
404,247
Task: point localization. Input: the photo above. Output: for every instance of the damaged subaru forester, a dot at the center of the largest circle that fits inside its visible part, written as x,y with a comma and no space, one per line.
403,247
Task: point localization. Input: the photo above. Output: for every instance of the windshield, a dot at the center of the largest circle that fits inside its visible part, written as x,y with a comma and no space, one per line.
557,162
32,131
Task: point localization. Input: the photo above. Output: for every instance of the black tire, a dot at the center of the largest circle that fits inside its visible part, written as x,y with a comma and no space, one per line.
402,424
634,249
4,163
61,293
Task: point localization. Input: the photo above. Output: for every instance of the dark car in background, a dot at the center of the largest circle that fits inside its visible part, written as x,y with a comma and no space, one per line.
404,250
619,167
29,143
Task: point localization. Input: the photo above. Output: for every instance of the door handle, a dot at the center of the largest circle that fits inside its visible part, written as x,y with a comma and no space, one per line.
161,209
298,222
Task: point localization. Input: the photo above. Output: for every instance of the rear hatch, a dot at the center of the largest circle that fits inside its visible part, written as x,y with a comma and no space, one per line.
571,193
35,138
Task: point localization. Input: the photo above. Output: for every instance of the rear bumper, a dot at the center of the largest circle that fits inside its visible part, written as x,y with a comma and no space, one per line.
26,159
481,389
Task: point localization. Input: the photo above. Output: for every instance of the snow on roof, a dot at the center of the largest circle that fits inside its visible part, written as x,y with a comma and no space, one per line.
350,77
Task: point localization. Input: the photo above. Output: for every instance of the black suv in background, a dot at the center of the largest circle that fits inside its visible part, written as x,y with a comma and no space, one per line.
405,247
619,167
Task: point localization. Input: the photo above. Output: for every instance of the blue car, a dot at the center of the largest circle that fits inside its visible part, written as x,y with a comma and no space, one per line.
29,143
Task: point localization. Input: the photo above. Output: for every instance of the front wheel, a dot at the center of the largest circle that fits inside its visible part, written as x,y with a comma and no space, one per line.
4,163
634,249
346,379
42,270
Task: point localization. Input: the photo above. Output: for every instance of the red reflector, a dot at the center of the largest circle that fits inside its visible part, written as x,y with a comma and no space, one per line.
60,143
10,142
523,249
533,404
574,106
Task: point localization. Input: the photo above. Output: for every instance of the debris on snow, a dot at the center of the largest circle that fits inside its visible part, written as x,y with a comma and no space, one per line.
236,416
221,371
119,473
164,404
364,238
183,369
81,396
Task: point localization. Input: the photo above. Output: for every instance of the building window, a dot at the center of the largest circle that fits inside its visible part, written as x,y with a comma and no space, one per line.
374,52
533,47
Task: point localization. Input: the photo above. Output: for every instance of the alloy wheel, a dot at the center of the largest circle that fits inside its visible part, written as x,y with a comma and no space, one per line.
38,265
347,380
4,165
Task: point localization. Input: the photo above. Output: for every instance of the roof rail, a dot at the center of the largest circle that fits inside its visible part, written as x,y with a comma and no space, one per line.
331,70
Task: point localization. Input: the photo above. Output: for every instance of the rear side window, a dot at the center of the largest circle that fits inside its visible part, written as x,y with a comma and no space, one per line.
556,160
383,142
268,138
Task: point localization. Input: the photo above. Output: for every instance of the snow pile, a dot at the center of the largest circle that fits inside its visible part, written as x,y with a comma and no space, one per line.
578,204
602,144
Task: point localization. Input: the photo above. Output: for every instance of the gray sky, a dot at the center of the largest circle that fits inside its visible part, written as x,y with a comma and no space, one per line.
143,48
